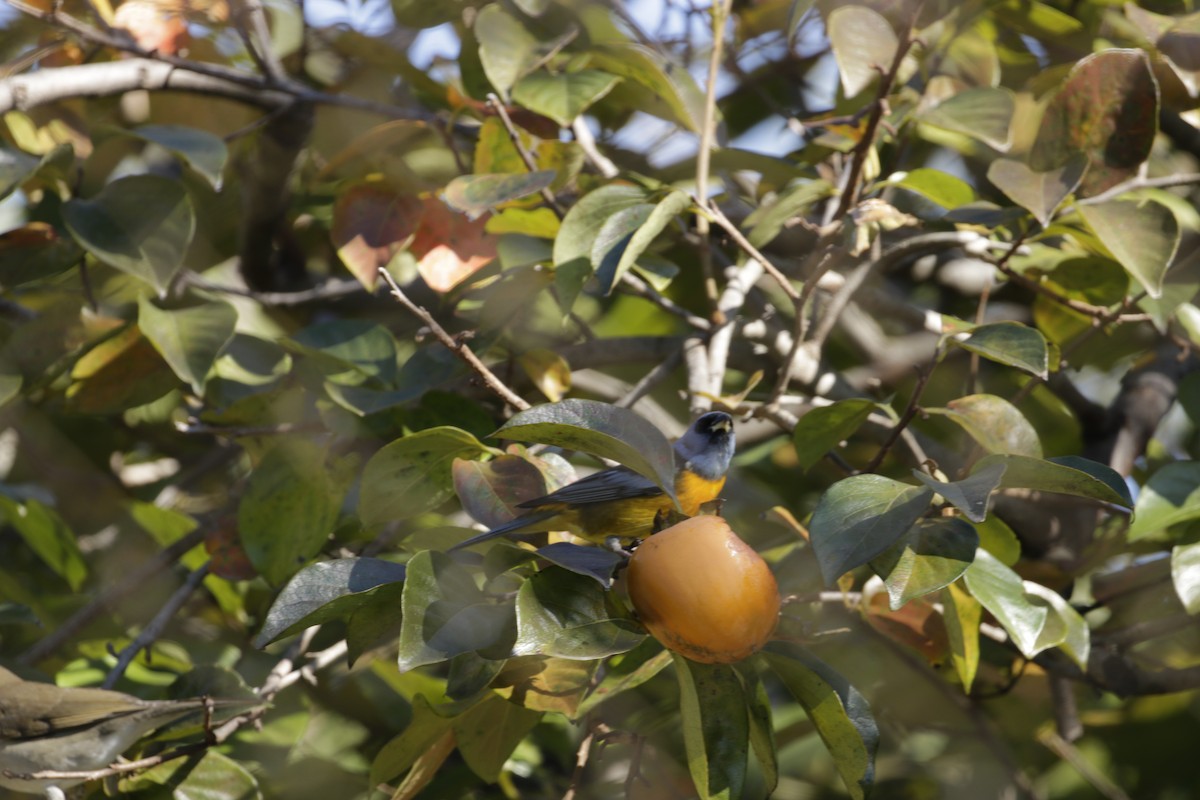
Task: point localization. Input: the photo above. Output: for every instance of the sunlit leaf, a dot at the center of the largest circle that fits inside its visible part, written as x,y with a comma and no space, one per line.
993,422
1010,343
1185,575
963,614
1002,593
475,194
863,45
836,709
563,96
1143,237
716,731
984,113
1169,497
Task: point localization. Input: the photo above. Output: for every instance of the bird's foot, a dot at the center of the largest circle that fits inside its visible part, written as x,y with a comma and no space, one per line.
614,544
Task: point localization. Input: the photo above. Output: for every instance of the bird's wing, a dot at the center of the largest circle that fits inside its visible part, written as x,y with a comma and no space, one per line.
617,483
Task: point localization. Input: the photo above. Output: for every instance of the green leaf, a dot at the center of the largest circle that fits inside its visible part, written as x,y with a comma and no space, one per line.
821,429
1107,109
189,339
563,614
200,150
600,429
1039,193
666,90
289,509
1010,343
508,50
1063,474
490,731
962,616
769,219
325,591
984,113
16,167
445,614
970,495
1143,237
863,45
1169,497
629,238
860,517
594,562
577,236
210,775
937,186
993,422
762,731
546,684
142,225
475,194
626,672
613,239
836,709
413,475
425,728
48,535
932,553
1064,625
716,731
35,252
349,351
563,96
1185,574
1002,593
11,381
999,540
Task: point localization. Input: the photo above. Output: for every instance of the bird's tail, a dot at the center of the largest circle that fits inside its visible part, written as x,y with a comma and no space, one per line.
519,524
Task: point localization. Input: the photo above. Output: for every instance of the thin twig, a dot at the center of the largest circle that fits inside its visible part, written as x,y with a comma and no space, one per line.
157,625
907,417
581,759
1069,753
651,379
858,156
720,15
134,580
526,157
457,347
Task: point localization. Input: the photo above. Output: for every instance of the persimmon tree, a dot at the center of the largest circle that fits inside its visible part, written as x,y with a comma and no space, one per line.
287,312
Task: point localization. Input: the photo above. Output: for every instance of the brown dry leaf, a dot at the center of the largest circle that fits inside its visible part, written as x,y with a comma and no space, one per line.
370,225
449,247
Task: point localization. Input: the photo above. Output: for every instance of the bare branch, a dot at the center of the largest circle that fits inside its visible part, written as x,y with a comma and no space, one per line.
457,347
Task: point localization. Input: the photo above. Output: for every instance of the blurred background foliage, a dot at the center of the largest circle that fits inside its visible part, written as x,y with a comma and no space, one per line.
918,249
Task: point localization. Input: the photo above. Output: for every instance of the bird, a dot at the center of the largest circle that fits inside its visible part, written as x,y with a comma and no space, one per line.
72,729
618,505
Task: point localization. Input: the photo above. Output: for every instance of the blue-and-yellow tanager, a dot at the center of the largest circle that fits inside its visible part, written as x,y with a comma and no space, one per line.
618,504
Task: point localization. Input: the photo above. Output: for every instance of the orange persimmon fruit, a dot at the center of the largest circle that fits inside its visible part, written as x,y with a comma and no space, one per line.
703,592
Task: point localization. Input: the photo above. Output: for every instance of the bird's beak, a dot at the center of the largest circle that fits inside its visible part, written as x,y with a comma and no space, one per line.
724,425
